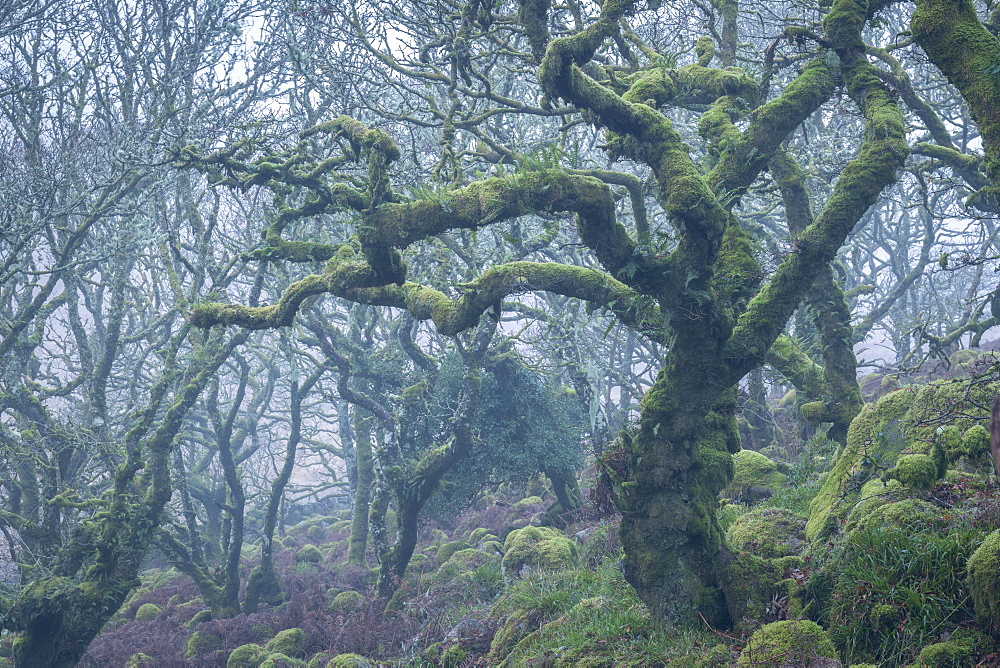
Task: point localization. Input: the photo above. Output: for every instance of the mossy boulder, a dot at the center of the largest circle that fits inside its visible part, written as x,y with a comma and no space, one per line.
315,532
755,477
246,656
200,644
536,548
768,532
983,579
444,552
789,643
918,472
200,617
517,626
140,660
906,421
309,554
147,612
720,656
528,502
477,535
345,602
460,563
749,584
899,514
279,660
960,649
349,661
318,660
289,642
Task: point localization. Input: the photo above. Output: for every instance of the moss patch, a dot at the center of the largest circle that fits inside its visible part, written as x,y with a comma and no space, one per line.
536,548
768,532
983,577
788,643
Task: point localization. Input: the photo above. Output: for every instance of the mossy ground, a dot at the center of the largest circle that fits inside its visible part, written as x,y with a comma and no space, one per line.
888,580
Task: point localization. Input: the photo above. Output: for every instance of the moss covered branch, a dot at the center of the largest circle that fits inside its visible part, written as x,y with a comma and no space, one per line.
956,41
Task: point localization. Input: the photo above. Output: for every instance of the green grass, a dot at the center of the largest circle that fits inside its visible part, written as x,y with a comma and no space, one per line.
594,614
892,591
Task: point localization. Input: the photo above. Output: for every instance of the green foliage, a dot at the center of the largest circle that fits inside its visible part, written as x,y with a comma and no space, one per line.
885,592
523,428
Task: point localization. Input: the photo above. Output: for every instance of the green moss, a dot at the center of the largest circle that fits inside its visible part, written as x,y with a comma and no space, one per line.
200,617
754,476
461,563
898,423
345,602
289,641
279,660
200,644
975,442
791,643
310,554
147,612
140,660
444,552
768,532
318,660
899,514
528,502
246,656
349,661
918,472
477,534
983,571
515,627
749,585
536,548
